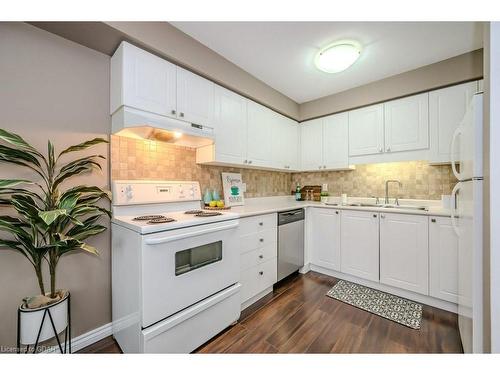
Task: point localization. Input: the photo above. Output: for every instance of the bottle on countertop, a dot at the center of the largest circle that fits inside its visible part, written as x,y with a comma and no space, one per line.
298,195
207,198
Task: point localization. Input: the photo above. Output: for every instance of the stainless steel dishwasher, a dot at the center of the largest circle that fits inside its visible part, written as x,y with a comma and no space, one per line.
290,242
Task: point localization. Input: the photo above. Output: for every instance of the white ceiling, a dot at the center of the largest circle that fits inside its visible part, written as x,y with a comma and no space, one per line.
281,54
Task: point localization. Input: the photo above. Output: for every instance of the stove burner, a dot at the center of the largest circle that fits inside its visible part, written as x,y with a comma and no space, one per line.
161,220
148,217
207,214
193,212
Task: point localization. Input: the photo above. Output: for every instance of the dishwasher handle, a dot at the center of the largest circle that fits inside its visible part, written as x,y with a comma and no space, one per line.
290,216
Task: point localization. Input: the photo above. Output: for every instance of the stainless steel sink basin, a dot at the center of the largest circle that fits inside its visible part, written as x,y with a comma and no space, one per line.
421,208
365,205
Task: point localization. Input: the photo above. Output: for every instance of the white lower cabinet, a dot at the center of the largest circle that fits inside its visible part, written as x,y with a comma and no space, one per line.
360,244
325,237
258,237
443,259
404,250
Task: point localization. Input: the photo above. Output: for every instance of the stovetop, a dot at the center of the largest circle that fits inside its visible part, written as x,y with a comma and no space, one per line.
151,223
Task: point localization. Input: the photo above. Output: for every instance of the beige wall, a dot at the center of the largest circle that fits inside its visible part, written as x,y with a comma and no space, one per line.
461,68
51,88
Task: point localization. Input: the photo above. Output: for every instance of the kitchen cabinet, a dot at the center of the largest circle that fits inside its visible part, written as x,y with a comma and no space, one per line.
366,130
325,238
311,143
359,241
324,143
446,110
258,236
443,259
285,136
195,98
404,251
406,123
143,81
259,139
230,124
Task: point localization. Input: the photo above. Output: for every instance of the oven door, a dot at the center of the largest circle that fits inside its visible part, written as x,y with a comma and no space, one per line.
183,266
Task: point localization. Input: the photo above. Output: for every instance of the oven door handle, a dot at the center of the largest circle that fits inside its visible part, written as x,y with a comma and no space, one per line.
160,240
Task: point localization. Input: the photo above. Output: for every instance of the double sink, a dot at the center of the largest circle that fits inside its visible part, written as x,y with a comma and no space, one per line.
380,205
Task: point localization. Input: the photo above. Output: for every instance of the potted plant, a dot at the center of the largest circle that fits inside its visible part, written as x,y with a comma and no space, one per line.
48,222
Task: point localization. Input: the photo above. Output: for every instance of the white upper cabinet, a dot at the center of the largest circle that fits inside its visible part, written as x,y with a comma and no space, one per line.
259,135
443,259
311,144
335,141
195,98
359,254
143,81
285,137
230,123
366,130
325,238
407,123
446,109
404,252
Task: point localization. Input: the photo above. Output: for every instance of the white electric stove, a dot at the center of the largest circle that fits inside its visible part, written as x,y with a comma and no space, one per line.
175,267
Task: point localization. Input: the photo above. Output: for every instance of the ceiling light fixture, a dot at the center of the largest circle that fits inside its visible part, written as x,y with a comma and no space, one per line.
337,56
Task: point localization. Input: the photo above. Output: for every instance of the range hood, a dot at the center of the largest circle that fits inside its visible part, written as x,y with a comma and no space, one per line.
134,123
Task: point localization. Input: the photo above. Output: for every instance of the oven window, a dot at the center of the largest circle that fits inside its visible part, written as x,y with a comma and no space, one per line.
197,257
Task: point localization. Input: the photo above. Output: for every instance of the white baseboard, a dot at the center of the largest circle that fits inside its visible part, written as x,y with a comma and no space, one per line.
88,338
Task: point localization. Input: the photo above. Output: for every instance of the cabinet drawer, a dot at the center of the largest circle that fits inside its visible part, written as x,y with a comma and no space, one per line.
257,240
258,256
258,278
256,224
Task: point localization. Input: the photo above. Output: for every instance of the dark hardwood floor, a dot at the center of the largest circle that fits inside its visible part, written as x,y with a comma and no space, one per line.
297,317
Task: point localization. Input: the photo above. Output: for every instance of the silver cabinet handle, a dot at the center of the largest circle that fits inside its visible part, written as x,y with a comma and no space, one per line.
261,273
261,256
173,111
380,149
388,149
245,161
324,166
249,162
182,114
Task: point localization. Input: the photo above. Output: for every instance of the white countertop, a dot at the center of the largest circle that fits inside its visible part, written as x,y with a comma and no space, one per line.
266,205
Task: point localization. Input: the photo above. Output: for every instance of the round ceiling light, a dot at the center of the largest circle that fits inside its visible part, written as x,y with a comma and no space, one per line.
338,56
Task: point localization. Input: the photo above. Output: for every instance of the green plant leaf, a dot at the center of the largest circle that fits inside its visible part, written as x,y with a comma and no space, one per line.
12,183
50,216
73,244
8,153
17,141
83,145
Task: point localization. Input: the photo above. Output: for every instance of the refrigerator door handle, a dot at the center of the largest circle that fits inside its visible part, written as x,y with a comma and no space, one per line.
456,188
458,131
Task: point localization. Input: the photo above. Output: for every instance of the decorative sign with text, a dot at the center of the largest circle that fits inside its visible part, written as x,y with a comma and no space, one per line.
233,189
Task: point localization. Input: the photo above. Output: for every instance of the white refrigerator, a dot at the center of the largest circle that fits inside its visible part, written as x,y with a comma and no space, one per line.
467,219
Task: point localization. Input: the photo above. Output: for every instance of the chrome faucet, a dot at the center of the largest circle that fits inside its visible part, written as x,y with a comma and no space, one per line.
387,191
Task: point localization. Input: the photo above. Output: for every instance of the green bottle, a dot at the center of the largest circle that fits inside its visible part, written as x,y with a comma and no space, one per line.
298,196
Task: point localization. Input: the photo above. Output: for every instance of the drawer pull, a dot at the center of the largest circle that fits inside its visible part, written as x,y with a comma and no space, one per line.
261,240
433,220
261,273
261,223
374,215
337,212
261,256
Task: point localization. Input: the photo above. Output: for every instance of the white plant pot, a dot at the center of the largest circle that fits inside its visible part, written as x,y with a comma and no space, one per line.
31,319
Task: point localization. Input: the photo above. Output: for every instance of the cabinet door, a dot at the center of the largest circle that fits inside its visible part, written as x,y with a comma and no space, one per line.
366,130
335,141
195,98
325,238
147,81
446,110
311,145
359,244
407,123
230,124
284,133
443,259
404,252
259,138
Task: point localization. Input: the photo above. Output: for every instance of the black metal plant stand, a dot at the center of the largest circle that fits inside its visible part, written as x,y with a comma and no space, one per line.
46,313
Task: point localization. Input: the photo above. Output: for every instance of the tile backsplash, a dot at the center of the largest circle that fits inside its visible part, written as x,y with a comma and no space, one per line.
140,159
